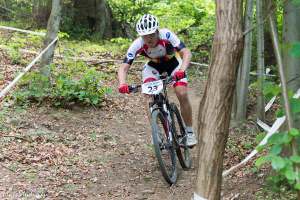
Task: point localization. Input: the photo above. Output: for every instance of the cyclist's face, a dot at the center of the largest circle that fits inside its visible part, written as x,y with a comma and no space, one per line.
151,39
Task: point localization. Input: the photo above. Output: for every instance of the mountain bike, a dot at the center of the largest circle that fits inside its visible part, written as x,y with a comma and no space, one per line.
168,129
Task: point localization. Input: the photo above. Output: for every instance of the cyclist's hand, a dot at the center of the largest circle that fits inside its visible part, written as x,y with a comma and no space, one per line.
180,74
123,88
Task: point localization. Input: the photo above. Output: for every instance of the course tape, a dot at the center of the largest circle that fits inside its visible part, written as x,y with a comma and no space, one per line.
270,131
197,197
22,30
270,103
9,86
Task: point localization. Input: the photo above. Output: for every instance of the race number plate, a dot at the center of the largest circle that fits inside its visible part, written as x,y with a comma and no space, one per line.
154,87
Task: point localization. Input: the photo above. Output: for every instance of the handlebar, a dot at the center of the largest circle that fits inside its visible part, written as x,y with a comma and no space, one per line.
166,79
134,88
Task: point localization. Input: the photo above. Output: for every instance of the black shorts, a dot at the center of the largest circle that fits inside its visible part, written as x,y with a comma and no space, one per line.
166,66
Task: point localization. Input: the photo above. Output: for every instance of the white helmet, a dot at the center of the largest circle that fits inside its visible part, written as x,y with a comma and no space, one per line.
147,24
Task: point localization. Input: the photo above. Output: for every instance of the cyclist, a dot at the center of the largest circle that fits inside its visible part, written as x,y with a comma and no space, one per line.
164,51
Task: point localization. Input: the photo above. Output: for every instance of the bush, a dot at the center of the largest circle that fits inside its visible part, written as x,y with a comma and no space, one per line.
67,85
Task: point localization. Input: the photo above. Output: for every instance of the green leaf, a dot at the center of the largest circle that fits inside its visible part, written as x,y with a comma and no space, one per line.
278,162
295,159
280,113
276,139
276,149
260,137
295,105
290,174
260,161
294,132
295,50
260,148
271,89
297,186
286,138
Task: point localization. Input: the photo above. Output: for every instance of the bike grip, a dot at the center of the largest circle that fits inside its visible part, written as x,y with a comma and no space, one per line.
133,88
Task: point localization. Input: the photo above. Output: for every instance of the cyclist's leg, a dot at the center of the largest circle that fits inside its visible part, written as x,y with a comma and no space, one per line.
183,98
185,108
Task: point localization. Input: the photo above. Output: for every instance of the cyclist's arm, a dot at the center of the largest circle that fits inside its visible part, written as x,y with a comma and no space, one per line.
128,60
122,73
186,56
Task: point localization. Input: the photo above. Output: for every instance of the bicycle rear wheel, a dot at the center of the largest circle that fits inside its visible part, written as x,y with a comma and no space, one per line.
179,135
163,146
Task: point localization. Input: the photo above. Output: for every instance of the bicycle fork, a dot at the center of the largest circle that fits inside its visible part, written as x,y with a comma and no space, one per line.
167,123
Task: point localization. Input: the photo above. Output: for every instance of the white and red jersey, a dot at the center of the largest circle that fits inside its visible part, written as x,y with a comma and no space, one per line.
167,45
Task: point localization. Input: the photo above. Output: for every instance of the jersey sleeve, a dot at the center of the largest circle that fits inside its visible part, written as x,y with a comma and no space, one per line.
133,51
173,39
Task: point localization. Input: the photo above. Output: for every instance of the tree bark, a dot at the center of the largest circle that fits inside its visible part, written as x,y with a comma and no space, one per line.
95,15
291,36
284,88
215,106
244,70
260,110
40,12
52,31
104,25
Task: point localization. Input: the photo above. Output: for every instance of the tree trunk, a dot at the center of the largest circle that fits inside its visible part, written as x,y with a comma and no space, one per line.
291,35
103,25
94,15
215,106
284,88
269,55
244,70
40,12
52,31
260,110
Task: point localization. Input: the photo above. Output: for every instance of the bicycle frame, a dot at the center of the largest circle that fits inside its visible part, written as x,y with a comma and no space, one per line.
160,101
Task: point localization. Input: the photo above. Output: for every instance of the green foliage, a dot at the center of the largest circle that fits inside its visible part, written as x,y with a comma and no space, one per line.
128,11
70,84
260,137
122,43
14,55
193,20
284,166
271,89
295,50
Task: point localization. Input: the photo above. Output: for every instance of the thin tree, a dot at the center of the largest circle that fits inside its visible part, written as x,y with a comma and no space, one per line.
260,110
244,70
96,14
284,88
215,106
104,23
41,10
52,31
291,37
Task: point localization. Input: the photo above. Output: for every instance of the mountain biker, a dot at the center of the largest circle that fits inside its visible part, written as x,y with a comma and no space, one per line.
164,51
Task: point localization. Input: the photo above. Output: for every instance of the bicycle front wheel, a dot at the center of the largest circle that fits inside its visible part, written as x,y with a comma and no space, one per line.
179,135
163,146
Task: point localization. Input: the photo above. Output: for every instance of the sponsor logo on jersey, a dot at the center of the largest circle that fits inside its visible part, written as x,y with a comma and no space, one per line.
130,55
168,34
154,72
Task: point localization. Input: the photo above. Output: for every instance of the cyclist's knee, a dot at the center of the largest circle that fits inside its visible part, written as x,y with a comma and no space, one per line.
181,91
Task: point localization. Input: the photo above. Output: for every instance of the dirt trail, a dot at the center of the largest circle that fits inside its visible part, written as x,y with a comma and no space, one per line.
89,153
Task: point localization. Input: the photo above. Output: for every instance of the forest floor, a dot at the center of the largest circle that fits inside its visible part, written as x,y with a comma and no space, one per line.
104,153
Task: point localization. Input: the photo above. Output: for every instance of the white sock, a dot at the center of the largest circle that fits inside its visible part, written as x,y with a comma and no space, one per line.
189,129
